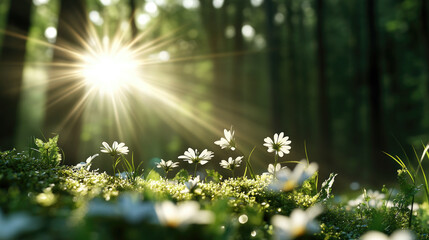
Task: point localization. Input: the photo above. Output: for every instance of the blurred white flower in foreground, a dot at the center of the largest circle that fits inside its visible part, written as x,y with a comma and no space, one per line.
87,164
14,224
46,198
167,165
116,148
182,214
299,222
397,235
232,163
228,141
192,156
128,207
280,144
287,180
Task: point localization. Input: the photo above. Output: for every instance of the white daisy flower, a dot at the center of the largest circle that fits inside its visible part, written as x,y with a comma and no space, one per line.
192,156
182,214
299,223
228,141
373,199
167,165
116,148
192,184
397,235
273,170
231,163
128,206
287,180
87,164
123,175
280,144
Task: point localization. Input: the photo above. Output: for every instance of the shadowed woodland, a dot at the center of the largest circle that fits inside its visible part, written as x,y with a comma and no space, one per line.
347,79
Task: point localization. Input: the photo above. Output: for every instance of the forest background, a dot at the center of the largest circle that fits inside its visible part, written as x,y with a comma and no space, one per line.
345,80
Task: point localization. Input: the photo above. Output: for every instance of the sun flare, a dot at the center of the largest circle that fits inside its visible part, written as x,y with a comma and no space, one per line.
110,72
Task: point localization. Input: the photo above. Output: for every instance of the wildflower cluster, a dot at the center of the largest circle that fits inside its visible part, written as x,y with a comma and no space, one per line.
283,203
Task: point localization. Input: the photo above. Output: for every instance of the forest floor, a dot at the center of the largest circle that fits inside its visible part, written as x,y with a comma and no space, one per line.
42,199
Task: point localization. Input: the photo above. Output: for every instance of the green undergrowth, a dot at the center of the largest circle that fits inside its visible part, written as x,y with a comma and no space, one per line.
62,202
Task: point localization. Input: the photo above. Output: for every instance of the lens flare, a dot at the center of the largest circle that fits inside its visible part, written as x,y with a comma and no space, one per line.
110,72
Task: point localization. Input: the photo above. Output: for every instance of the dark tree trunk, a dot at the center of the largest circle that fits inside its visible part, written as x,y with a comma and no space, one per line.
215,22
357,133
424,25
237,72
293,101
134,30
274,58
302,58
12,60
65,103
324,113
374,85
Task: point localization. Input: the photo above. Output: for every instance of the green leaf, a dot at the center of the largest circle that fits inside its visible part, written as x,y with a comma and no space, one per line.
153,175
214,175
182,176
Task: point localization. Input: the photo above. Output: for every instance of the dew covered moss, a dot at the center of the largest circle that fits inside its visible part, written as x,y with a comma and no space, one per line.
58,198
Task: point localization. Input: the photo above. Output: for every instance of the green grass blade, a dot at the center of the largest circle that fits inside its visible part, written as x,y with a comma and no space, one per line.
306,154
424,176
252,174
402,164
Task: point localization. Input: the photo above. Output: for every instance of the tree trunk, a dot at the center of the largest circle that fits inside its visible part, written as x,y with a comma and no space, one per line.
214,22
424,25
12,59
306,127
65,94
324,113
274,57
292,100
134,30
374,85
237,72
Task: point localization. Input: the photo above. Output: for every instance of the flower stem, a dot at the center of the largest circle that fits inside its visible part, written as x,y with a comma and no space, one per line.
276,157
195,171
248,165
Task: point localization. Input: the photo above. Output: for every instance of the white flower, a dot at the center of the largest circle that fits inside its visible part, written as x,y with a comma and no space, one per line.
228,141
192,156
15,224
231,163
273,170
87,164
167,165
280,144
123,175
192,184
397,235
297,224
287,180
183,214
128,207
115,149
373,199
